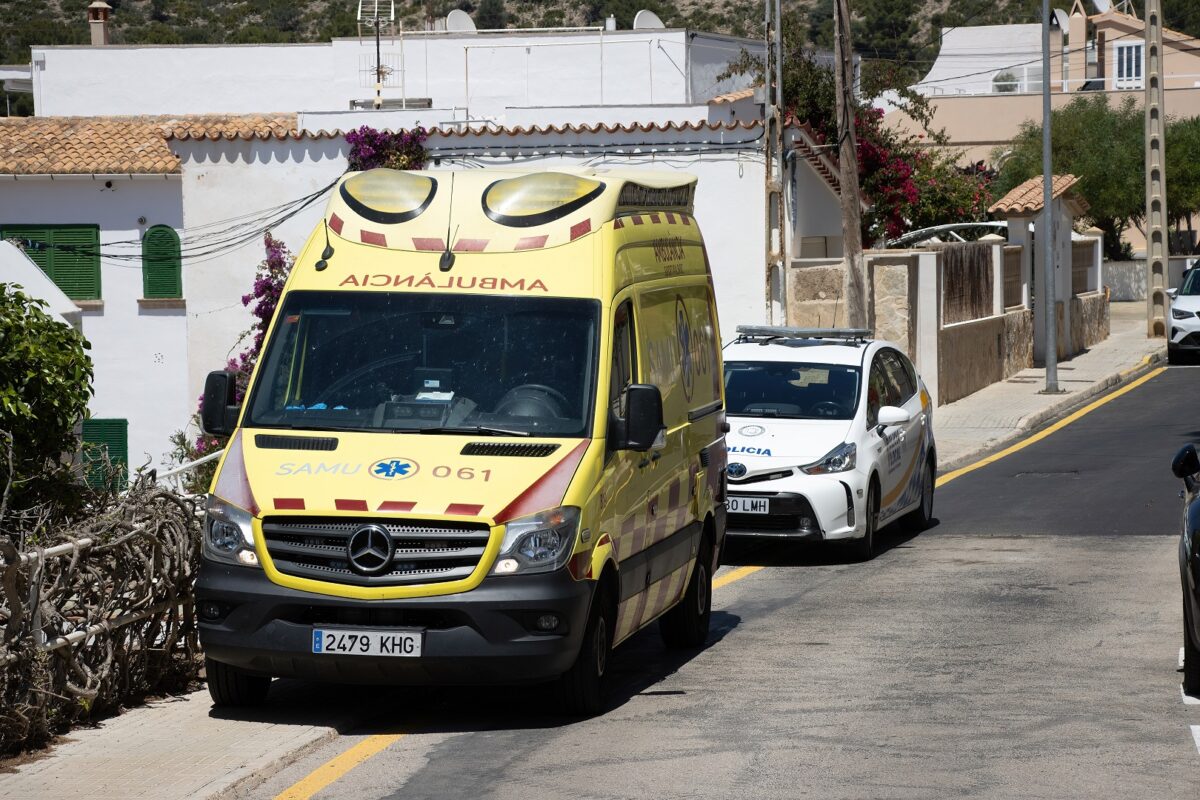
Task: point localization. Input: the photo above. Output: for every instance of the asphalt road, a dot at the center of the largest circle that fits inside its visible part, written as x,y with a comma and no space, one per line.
1025,646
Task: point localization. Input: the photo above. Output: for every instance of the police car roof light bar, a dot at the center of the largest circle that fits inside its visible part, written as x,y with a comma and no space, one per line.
750,332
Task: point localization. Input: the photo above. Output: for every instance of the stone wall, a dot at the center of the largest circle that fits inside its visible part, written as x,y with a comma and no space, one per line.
893,285
1018,341
1089,319
814,294
970,357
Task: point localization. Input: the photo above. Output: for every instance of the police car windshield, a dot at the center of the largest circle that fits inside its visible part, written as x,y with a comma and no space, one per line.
1191,284
791,391
401,362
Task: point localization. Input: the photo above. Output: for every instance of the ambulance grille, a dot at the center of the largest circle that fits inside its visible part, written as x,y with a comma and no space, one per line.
425,551
503,449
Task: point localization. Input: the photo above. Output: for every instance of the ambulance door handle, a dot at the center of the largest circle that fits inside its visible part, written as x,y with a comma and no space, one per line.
656,456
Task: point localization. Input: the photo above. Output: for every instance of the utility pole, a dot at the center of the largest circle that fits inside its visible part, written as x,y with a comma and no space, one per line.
856,272
1157,250
773,172
1045,229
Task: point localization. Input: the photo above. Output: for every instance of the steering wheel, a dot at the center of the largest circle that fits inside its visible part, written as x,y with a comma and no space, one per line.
541,387
354,375
828,408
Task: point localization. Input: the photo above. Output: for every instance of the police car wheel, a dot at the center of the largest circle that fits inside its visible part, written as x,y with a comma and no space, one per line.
686,625
864,548
582,687
1191,657
230,687
919,518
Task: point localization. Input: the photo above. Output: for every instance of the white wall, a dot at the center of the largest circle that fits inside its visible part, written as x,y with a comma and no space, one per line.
970,57
140,354
481,74
226,180
817,209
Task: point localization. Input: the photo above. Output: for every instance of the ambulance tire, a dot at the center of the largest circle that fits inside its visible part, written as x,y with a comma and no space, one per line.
582,687
686,625
921,517
230,687
864,548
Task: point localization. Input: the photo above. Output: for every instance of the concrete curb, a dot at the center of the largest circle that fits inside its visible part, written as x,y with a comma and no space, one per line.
1063,407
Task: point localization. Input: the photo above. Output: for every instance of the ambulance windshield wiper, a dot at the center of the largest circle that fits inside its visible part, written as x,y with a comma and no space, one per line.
479,430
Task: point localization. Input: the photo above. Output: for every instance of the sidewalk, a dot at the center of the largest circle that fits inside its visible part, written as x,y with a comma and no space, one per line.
979,422
178,748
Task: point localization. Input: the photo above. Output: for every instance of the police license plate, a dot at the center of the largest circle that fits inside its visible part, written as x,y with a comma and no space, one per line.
749,505
366,642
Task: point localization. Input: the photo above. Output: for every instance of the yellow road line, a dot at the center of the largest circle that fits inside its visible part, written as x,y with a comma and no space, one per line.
338,766
735,575
1062,423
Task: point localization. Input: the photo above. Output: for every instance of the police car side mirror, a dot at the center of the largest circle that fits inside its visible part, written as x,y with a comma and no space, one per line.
218,406
642,429
1171,293
1185,465
892,415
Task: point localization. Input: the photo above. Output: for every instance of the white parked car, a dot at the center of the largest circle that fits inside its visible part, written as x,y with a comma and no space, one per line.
831,436
1185,318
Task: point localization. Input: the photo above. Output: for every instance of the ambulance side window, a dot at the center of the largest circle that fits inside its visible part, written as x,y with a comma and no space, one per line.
624,368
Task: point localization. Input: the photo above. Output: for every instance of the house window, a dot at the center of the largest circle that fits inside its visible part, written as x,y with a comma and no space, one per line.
1130,57
68,254
160,263
106,452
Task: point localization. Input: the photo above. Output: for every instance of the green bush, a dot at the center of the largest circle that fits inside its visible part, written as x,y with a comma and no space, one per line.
45,383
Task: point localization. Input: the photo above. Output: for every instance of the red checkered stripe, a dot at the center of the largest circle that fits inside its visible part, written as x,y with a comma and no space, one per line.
670,217
392,506
433,244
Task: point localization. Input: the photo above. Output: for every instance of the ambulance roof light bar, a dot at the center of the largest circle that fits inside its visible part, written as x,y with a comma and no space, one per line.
767,333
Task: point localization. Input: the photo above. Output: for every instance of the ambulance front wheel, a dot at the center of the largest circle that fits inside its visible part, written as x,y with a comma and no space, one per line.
686,625
230,687
582,687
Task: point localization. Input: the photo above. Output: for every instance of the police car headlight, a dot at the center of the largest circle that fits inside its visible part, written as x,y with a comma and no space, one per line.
839,459
228,535
540,543
1179,313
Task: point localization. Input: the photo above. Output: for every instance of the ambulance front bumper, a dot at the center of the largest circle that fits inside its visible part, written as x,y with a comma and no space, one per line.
487,635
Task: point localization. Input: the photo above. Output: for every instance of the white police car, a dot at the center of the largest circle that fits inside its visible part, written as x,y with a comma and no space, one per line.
831,436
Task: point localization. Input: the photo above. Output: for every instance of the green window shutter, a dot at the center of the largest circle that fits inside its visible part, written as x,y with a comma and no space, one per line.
76,259
101,438
68,254
161,274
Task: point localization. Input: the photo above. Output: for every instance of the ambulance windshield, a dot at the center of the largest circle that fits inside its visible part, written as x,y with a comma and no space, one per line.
429,362
791,391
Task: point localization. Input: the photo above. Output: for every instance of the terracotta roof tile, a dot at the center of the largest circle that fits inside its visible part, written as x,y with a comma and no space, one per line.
117,145
1027,199
732,97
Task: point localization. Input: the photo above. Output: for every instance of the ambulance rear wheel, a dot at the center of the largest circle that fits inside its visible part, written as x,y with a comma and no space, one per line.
582,687
686,625
230,687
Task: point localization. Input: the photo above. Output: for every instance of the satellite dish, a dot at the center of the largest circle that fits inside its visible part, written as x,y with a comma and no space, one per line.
1102,6
459,20
647,19
1061,17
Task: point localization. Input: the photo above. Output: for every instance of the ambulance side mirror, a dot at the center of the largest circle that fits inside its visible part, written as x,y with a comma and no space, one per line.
642,428
218,406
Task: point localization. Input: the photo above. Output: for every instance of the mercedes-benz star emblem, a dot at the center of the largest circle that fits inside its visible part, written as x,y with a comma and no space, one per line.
736,470
370,550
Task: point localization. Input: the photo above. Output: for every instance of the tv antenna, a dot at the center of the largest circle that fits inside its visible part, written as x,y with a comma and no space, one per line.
379,15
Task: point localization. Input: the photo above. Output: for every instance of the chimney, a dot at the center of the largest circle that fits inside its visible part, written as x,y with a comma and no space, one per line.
98,22
1077,41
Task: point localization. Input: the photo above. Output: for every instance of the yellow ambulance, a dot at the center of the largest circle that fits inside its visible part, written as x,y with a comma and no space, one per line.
484,442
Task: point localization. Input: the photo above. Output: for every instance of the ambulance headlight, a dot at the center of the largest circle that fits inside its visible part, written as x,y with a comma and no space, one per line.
228,535
840,459
540,543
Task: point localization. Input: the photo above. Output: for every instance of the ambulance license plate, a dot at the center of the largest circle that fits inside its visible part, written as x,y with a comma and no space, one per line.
749,505
367,642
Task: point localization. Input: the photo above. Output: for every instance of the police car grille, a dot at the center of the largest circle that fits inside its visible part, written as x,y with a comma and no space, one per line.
425,552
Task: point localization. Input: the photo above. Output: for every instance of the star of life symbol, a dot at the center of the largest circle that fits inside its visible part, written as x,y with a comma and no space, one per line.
391,469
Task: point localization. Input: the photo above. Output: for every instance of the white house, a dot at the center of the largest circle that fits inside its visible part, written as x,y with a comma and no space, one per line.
153,224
